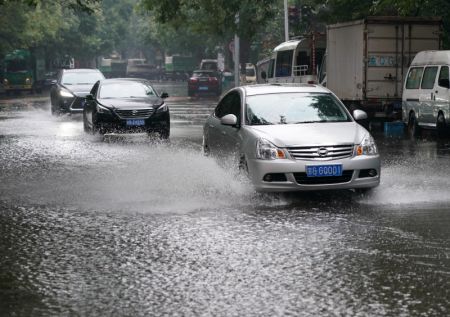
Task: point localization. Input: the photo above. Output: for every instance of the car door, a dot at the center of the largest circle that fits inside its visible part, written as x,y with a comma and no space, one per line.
427,96
221,137
229,137
442,93
213,126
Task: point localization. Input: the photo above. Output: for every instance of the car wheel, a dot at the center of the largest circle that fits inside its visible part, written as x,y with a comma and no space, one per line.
413,127
164,134
441,126
363,191
54,111
243,166
205,148
85,124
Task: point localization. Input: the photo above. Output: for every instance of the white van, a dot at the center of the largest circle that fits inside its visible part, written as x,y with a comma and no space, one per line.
426,94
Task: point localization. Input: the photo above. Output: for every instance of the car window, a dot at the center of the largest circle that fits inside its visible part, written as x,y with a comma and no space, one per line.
429,77
125,90
230,104
444,74
250,72
80,78
294,108
204,74
414,78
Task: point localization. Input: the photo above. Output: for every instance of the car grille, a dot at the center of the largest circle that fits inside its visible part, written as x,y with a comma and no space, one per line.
77,103
331,152
134,113
302,179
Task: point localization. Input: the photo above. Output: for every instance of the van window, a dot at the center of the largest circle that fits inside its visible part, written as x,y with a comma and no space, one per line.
270,70
444,73
414,77
284,63
429,77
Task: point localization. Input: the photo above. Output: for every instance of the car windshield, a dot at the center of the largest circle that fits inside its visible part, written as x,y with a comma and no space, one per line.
88,78
126,90
250,72
294,108
204,74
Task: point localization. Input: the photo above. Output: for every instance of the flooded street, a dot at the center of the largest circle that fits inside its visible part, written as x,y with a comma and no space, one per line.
131,226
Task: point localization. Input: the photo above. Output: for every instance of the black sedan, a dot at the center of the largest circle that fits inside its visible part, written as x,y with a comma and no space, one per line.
68,94
126,105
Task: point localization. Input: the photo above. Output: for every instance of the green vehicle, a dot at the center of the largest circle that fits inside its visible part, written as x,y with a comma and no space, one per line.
23,71
179,67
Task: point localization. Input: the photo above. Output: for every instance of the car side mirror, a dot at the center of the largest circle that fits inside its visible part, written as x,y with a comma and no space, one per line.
164,95
264,75
89,97
229,119
444,83
359,115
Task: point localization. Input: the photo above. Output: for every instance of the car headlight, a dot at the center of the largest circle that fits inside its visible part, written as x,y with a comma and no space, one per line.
5,81
66,94
102,109
265,150
367,146
27,81
162,108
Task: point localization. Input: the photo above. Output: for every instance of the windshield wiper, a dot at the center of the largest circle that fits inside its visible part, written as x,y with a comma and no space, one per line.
314,121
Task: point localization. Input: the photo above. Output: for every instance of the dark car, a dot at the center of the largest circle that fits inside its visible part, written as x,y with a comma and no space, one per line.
68,94
126,105
204,82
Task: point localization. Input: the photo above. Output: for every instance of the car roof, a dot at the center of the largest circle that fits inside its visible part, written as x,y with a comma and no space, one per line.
80,70
123,80
262,89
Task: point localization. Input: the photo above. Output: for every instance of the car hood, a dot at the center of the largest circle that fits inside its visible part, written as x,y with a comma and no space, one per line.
134,103
79,90
306,134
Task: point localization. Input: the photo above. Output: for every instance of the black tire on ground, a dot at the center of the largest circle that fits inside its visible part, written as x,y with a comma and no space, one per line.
363,191
243,167
85,124
164,134
413,127
55,112
441,126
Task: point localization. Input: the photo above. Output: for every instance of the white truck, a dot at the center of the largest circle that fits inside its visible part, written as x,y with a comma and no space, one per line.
367,60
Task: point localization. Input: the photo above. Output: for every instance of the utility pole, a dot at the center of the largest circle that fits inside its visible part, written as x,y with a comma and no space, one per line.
236,54
286,22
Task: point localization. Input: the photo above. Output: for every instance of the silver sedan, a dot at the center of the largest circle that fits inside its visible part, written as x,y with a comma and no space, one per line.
293,138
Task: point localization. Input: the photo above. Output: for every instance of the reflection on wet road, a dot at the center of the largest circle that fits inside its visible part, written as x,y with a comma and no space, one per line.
129,226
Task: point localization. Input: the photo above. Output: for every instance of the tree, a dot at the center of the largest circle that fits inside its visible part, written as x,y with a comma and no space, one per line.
216,19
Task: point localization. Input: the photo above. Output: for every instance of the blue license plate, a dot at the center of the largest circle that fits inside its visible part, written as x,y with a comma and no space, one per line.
202,88
135,122
324,170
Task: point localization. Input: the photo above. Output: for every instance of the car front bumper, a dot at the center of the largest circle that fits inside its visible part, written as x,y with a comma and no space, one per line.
157,122
290,175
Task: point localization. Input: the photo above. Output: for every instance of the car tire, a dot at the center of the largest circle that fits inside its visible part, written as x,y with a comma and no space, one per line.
164,134
243,167
54,111
85,124
363,191
413,127
205,148
441,126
